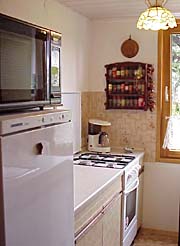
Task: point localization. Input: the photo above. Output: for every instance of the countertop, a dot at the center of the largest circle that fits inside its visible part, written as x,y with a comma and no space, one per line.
88,182
93,187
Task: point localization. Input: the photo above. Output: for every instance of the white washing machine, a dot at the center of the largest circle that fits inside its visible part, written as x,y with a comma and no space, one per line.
37,179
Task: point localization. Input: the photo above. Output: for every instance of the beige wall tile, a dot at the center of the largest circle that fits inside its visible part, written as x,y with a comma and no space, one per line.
133,128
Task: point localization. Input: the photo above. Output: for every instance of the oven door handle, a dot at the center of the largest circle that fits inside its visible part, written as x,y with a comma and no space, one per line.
132,188
135,171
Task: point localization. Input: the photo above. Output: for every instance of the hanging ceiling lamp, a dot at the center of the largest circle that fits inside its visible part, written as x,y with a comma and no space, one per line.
156,17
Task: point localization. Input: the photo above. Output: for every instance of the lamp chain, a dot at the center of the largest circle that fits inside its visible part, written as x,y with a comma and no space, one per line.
149,4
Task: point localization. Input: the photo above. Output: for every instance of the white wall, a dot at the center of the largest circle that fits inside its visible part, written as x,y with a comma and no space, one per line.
161,196
106,39
75,35
162,180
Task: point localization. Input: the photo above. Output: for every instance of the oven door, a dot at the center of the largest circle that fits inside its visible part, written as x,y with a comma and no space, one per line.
130,198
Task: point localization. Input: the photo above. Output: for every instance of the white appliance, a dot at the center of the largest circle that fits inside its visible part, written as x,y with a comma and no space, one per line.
37,165
129,163
72,101
95,136
130,203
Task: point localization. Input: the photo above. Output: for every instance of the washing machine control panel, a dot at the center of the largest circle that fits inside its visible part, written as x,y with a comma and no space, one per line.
25,121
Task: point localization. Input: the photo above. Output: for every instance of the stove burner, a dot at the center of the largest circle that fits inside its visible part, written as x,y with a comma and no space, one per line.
103,160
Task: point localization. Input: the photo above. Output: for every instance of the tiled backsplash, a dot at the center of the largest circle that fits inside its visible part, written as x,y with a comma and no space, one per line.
129,128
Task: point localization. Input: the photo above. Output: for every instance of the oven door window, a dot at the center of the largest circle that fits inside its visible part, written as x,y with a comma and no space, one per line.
130,206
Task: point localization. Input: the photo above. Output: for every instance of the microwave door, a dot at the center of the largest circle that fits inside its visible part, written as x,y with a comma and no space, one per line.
16,66
24,53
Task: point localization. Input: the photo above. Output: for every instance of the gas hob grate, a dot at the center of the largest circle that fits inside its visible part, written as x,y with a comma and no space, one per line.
103,160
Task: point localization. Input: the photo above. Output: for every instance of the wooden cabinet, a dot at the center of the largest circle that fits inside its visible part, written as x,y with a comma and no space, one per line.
104,229
140,199
129,85
92,234
111,223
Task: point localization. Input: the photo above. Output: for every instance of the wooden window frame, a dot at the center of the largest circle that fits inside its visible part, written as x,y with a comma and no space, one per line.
163,108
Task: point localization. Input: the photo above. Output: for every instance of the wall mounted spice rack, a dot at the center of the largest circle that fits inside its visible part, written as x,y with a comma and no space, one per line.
129,85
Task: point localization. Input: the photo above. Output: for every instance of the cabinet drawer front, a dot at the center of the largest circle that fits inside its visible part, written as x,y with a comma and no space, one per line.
92,234
111,223
95,206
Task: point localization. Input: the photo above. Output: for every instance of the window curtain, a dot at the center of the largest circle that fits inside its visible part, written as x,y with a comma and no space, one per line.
172,136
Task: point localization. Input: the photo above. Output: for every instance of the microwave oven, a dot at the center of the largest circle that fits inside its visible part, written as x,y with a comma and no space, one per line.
30,65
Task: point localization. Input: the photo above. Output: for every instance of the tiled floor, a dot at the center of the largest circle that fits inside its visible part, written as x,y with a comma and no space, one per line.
148,237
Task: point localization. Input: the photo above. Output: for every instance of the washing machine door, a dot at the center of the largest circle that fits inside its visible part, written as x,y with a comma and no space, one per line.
38,187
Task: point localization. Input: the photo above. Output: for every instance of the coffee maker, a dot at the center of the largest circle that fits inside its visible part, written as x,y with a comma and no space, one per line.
98,140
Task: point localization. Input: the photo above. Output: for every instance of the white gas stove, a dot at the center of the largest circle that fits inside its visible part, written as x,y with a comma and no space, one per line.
129,163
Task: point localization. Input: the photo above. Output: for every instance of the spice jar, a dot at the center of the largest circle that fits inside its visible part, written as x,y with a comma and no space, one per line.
130,72
127,72
110,88
118,73
110,72
126,88
118,101
135,102
135,87
140,102
110,102
114,102
130,88
118,87
123,101
127,102
122,87
114,72
122,72
130,102
139,88
142,88
114,88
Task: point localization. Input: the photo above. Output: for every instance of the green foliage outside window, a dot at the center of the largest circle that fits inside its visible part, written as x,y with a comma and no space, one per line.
175,73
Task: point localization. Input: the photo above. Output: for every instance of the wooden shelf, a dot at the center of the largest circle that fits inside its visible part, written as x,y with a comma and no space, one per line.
126,94
129,85
126,107
121,80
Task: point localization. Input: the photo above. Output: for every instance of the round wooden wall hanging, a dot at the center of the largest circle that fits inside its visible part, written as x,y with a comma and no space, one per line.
129,48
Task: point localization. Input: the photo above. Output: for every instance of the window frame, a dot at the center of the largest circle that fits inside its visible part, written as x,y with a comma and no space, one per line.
163,107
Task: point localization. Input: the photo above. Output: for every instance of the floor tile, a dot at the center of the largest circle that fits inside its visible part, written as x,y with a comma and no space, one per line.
147,237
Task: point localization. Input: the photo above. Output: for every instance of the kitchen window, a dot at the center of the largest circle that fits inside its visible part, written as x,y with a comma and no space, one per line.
168,101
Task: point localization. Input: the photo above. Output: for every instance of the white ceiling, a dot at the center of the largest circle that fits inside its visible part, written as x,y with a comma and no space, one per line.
108,9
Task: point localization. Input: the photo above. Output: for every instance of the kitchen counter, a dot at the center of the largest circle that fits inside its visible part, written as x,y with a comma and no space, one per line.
89,181
93,189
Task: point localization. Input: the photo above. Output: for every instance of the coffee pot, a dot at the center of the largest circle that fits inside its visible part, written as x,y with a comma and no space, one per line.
104,139
98,140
